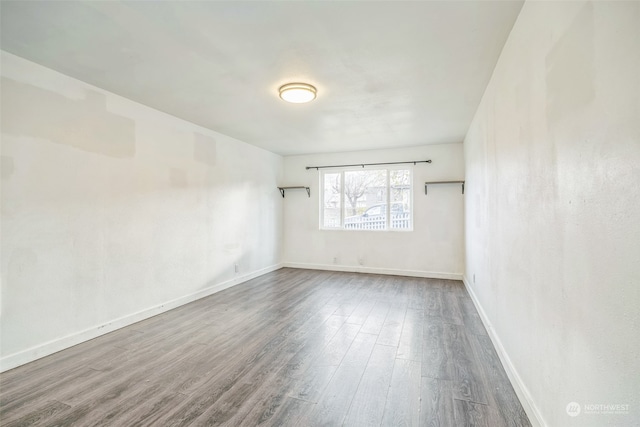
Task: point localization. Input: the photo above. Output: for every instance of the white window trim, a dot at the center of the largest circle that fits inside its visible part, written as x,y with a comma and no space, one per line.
323,172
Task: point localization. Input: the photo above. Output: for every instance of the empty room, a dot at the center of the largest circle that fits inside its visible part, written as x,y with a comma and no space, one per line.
320,213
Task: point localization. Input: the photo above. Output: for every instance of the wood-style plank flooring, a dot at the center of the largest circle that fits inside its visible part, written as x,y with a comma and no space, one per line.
290,348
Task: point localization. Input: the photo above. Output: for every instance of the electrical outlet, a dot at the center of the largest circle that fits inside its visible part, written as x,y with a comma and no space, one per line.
335,259
474,277
361,261
237,268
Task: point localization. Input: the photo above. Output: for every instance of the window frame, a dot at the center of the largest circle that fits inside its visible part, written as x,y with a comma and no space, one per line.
321,178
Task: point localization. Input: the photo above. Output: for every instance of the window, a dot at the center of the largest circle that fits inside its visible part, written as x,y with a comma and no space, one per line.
366,199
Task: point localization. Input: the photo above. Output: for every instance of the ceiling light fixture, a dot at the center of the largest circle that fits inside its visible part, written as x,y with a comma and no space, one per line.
297,93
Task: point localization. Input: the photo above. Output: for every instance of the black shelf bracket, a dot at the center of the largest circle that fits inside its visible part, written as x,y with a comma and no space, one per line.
443,182
294,188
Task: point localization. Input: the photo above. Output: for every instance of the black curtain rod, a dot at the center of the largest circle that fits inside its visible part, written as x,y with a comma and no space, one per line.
368,164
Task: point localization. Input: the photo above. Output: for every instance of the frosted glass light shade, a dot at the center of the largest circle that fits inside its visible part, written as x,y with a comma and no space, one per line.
297,93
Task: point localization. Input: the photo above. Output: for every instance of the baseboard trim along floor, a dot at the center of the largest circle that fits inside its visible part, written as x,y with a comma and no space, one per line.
535,417
292,347
29,355
375,270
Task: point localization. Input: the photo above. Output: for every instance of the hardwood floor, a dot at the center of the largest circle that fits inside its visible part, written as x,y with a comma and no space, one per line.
290,348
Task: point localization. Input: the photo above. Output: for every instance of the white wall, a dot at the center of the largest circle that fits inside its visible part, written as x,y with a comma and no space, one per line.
435,248
112,211
553,208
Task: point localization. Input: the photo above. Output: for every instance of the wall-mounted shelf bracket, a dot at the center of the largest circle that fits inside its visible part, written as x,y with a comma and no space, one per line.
443,182
294,188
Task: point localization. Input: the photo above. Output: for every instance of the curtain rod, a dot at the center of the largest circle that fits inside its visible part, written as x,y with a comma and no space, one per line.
368,164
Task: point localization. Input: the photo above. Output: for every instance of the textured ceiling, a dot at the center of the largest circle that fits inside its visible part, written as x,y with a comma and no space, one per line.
389,74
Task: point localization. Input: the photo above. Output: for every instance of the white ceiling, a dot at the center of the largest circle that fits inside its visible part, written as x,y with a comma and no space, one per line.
389,74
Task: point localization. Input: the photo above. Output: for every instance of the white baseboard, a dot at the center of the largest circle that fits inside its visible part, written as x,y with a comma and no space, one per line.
29,355
373,270
535,417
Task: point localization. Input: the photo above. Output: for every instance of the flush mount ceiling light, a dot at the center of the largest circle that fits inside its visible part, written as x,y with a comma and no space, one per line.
297,93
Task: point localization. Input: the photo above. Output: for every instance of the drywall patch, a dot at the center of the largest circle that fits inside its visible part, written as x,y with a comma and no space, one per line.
570,68
6,167
84,124
178,178
204,149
